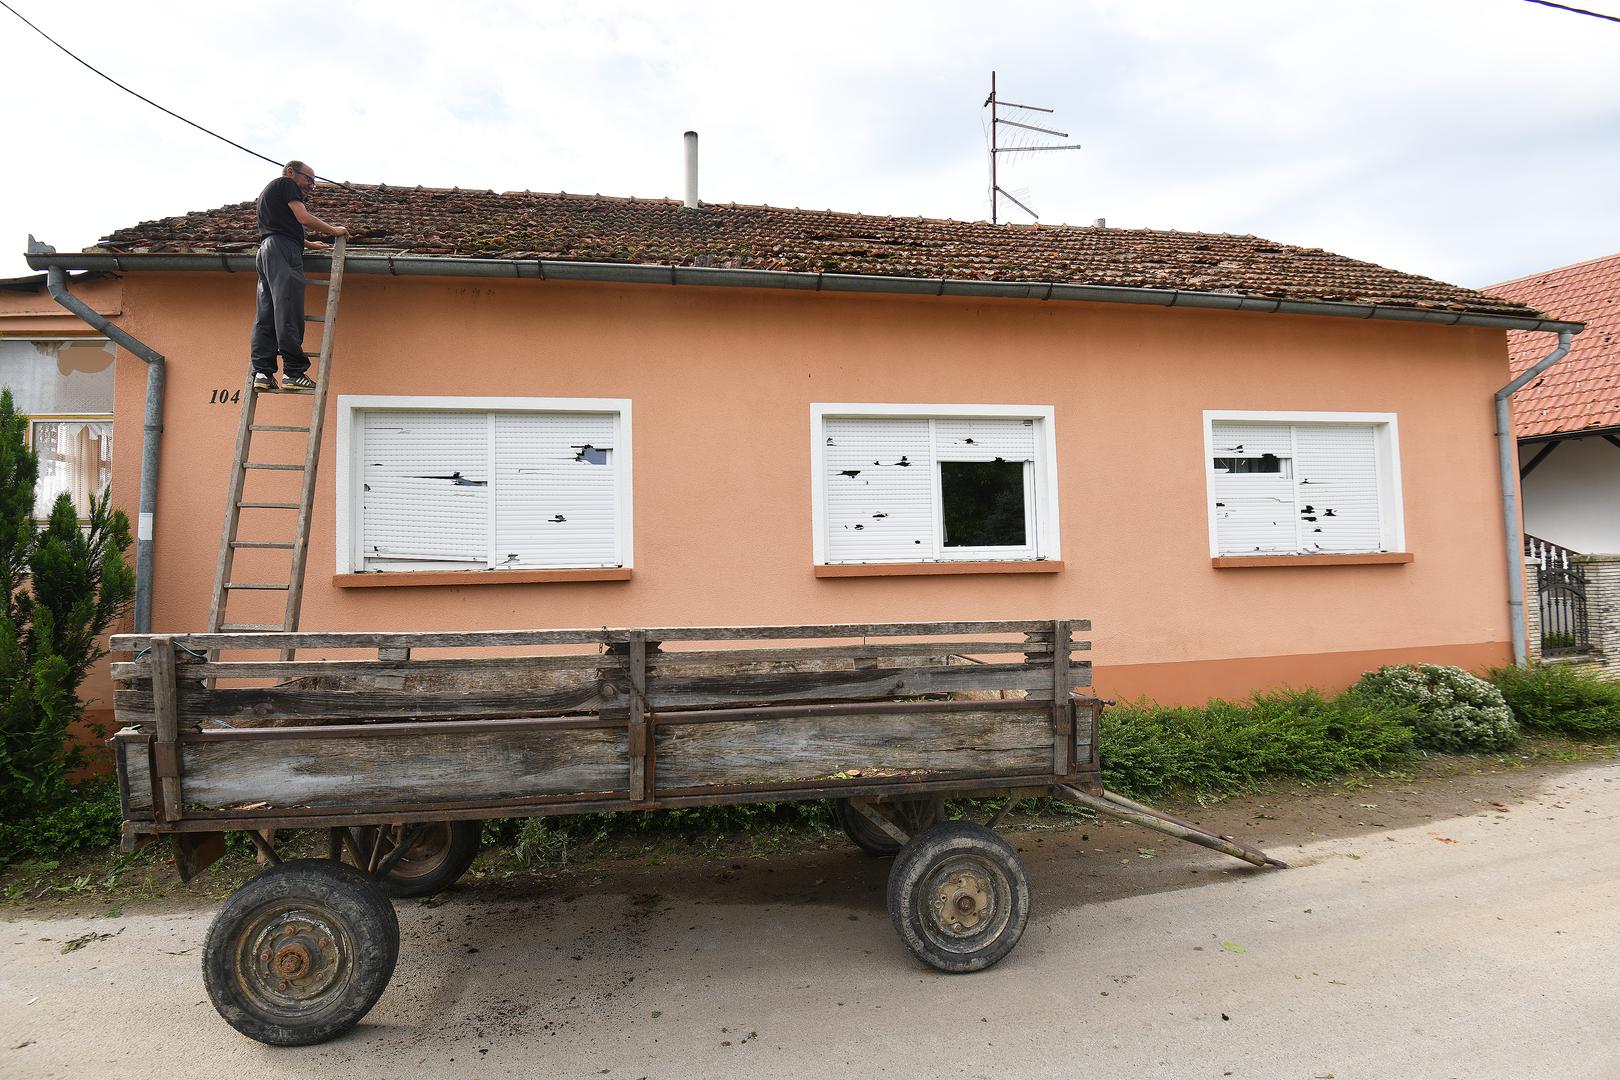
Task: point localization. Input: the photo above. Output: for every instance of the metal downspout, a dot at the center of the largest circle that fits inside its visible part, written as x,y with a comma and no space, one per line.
151,438
1507,459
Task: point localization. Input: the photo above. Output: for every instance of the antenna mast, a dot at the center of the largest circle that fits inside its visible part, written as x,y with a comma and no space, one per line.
995,105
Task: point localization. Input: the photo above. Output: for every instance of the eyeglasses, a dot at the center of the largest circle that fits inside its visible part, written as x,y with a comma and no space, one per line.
306,176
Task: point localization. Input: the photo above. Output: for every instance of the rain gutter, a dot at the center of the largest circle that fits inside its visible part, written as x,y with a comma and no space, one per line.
152,428
792,280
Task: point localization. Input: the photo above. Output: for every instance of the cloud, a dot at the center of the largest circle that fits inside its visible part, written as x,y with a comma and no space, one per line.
1468,141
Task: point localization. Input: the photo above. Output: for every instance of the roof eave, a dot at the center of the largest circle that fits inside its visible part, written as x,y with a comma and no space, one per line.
812,281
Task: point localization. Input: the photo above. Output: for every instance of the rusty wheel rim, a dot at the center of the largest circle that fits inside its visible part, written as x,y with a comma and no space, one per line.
966,903
426,853
293,959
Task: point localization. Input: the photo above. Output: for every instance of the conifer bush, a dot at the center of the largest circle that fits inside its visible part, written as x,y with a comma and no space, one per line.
64,586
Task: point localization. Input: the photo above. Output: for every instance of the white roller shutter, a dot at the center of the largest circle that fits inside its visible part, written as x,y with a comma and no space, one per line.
1254,511
424,489
1324,497
1336,487
556,501
880,489
882,486
482,489
984,440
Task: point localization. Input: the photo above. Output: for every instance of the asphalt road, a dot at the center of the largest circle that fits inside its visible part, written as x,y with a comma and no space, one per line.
1477,946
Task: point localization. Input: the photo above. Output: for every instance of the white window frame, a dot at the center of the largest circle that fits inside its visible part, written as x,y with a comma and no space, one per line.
349,484
1386,440
52,418
1041,489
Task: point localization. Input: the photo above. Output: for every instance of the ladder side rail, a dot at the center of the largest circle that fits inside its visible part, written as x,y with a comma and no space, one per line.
233,507
312,453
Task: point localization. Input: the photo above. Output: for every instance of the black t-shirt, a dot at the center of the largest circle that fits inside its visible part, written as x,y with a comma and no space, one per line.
275,216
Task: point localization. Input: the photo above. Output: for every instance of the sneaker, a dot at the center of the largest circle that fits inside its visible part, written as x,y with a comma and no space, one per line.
261,381
298,382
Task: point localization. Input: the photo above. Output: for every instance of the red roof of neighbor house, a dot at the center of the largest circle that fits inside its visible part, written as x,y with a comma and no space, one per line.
1582,391
595,228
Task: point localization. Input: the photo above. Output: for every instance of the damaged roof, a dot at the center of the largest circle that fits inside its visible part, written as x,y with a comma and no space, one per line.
1582,391
597,228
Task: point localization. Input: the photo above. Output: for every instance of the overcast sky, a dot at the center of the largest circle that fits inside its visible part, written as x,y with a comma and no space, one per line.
1470,140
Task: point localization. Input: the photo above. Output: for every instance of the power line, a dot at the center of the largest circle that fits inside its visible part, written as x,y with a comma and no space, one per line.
1560,7
149,101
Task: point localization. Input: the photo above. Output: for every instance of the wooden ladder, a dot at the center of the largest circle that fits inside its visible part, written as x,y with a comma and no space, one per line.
225,588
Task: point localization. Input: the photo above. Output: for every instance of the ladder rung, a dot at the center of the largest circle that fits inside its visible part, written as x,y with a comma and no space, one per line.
261,544
231,628
268,506
278,427
256,585
314,318
277,468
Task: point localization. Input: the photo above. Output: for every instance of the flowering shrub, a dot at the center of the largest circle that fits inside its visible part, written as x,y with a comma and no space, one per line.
1447,708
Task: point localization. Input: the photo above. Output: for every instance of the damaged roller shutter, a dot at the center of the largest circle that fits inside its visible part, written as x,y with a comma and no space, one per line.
424,500
1336,488
556,499
880,497
1254,488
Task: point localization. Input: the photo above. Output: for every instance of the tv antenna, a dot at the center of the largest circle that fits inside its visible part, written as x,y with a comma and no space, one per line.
995,105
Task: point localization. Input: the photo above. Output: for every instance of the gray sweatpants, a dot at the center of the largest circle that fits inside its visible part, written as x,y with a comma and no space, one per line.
278,320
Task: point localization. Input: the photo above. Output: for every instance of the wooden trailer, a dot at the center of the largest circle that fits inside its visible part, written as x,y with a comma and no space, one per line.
399,744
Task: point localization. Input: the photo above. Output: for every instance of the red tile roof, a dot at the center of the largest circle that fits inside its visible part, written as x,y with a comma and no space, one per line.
530,225
1582,391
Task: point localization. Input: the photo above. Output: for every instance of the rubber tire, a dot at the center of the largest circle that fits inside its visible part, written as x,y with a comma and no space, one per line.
934,849
915,815
355,905
463,839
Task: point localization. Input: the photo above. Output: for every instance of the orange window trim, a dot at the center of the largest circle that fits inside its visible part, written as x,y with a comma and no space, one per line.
1380,558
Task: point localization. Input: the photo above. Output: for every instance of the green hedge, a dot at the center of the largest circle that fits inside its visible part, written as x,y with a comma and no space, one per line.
1226,747
1560,700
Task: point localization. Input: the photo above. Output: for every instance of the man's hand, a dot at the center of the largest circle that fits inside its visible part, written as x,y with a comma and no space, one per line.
339,230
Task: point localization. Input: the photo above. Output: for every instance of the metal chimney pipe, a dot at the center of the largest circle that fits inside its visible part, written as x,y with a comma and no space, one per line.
691,170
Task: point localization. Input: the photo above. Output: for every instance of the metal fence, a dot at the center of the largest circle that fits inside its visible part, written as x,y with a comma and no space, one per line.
1561,592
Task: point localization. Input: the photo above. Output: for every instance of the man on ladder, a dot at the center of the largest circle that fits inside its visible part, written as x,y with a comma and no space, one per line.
278,322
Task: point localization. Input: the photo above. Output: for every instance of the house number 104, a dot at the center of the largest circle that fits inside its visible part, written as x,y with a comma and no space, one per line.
225,397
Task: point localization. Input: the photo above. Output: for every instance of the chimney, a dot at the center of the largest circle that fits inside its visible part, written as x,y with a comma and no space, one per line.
691,170
1102,223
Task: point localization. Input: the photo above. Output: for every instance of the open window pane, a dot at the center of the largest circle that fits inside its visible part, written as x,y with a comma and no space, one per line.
983,504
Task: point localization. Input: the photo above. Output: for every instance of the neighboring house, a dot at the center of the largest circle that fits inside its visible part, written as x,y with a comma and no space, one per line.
1248,464
1568,420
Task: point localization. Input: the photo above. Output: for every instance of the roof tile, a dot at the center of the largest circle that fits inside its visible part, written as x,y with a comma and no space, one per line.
1581,392
600,228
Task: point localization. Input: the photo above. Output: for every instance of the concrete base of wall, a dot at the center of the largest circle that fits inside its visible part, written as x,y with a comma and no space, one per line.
1196,681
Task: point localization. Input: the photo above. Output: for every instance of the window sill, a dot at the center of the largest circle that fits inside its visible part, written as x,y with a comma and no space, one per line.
1380,558
846,570
393,578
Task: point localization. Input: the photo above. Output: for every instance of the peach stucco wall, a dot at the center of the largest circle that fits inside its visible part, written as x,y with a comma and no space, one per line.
722,381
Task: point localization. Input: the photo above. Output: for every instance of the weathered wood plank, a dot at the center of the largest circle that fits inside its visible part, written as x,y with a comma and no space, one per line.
249,705
278,669
354,774
865,684
295,669
493,638
1062,709
165,719
640,744
821,746
133,757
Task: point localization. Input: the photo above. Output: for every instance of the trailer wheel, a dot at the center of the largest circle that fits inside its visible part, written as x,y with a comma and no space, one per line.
300,953
958,896
914,815
437,857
